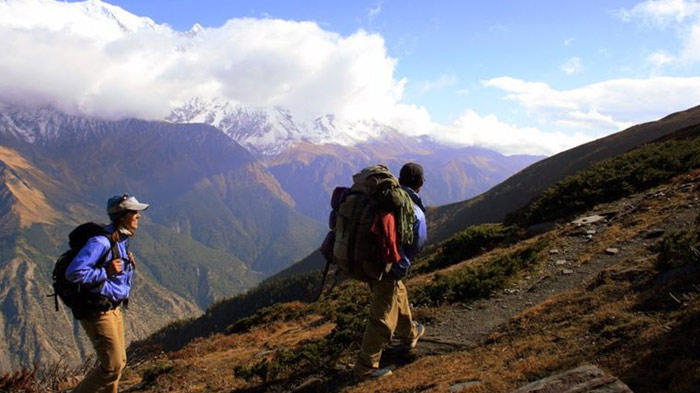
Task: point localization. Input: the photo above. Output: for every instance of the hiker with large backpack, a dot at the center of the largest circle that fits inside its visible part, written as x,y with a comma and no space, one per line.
103,271
390,312
374,223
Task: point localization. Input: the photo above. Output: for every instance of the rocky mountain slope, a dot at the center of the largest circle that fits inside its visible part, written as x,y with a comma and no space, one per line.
617,288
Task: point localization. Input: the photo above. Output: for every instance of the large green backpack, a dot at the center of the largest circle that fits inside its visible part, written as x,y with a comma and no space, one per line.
356,250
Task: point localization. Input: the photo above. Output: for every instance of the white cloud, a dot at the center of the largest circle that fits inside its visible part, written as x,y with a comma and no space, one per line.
682,15
569,41
373,12
572,66
101,60
659,59
472,129
690,53
606,106
442,82
662,12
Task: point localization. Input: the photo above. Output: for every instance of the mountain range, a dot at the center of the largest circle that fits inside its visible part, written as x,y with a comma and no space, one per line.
310,158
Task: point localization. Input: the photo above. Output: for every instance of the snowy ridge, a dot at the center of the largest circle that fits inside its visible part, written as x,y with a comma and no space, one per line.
40,125
271,131
91,18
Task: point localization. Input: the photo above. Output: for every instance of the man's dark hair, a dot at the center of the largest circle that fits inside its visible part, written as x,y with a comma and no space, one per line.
411,175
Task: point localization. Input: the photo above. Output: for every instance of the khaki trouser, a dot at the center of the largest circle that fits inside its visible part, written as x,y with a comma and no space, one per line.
106,332
389,314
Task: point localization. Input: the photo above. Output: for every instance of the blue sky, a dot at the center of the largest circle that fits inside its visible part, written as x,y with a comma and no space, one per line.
445,48
532,77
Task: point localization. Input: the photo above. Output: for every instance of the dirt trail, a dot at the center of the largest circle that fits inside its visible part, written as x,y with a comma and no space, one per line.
577,256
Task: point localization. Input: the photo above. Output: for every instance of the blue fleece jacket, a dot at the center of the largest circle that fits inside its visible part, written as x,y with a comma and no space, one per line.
420,237
89,268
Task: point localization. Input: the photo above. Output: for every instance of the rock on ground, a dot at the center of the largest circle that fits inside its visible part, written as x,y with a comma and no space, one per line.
588,379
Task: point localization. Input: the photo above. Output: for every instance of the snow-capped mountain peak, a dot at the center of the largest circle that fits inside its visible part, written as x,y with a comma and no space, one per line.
271,131
91,18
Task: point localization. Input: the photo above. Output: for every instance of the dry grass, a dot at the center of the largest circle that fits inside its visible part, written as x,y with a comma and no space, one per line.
208,364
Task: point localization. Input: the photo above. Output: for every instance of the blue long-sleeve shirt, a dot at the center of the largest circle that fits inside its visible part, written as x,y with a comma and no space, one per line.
420,237
89,268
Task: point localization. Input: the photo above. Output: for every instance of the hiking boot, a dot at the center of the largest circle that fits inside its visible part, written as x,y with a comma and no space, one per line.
376,373
420,331
408,345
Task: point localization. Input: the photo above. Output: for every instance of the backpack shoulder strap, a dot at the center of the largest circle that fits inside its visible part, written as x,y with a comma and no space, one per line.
113,247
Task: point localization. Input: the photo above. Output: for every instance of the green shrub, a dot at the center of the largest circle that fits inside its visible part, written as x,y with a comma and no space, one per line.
477,282
346,306
276,312
153,372
470,243
678,249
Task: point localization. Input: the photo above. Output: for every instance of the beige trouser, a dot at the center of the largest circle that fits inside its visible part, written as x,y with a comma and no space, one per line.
389,313
106,332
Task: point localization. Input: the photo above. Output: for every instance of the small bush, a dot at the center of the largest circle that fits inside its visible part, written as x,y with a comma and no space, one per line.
153,372
347,307
678,249
276,312
477,282
470,243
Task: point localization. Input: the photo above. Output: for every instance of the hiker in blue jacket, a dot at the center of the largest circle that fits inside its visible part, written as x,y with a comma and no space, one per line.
390,312
411,180
105,266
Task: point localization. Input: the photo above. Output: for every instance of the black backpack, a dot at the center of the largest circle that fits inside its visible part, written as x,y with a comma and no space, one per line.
77,297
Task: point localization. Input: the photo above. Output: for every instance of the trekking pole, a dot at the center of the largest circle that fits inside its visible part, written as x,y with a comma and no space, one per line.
336,280
323,282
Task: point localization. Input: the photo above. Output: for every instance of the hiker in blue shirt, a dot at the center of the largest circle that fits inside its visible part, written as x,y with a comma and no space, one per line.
106,267
411,180
390,312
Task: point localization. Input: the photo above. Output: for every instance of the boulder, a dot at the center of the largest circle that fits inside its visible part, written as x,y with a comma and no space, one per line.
464,386
588,220
589,379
